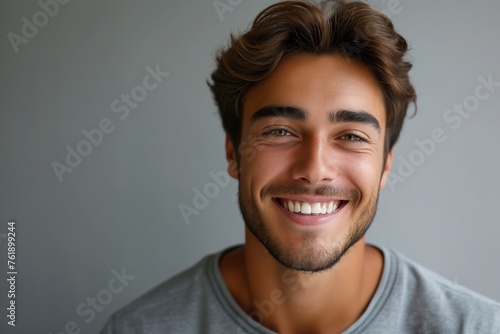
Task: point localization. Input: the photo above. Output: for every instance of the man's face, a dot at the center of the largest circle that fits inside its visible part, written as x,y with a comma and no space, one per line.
313,162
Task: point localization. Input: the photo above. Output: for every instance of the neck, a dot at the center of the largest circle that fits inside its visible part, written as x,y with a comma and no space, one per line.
289,301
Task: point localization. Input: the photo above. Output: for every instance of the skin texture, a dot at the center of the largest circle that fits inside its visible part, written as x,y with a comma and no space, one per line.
313,274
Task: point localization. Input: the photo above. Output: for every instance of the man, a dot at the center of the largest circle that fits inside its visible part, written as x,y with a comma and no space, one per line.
312,99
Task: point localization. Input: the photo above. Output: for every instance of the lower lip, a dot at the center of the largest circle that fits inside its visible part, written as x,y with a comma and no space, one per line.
307,220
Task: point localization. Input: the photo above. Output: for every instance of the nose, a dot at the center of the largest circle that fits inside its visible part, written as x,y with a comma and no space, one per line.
314,163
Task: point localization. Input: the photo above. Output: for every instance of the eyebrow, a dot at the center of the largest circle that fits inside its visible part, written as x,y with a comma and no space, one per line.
359,116
294,113
339,116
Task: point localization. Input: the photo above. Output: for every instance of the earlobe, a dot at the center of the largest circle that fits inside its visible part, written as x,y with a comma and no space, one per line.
387,169
232,162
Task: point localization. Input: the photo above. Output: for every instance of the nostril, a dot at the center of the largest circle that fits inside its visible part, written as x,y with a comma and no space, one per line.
313,171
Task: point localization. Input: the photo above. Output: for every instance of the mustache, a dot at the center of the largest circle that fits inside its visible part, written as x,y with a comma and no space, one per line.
281,189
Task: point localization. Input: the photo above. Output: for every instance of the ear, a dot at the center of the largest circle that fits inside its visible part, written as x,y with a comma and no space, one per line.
232,162
387,169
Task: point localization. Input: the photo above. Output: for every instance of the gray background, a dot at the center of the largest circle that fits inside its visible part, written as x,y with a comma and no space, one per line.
120,207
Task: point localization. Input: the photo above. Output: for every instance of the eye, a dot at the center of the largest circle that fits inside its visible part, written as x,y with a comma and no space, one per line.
352,138
277,133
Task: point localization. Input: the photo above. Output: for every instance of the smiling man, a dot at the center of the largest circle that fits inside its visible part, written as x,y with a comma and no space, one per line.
312,99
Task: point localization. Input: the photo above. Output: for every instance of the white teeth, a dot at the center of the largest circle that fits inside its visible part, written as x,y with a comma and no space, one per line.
314,208
296,208
330,207
306,208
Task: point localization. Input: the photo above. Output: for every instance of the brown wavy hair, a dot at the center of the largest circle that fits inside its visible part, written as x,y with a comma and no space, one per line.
353,29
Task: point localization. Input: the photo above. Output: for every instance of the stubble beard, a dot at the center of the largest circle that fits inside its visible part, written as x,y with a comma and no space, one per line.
313,256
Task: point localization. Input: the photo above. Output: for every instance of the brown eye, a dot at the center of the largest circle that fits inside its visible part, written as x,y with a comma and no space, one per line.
351,137
277,133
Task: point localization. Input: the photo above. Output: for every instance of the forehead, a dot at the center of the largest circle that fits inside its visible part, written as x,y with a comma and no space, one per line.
318,84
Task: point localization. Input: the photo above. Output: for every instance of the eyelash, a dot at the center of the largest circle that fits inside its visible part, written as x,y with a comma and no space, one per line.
273,133
351,135
281,132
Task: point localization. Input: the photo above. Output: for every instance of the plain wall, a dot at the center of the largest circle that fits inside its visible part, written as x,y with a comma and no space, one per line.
118,209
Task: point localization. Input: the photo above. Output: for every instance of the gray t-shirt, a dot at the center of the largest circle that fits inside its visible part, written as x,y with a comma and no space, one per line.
409,299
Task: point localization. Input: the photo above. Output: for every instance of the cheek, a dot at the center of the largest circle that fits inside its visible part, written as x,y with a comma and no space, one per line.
363,172
263,167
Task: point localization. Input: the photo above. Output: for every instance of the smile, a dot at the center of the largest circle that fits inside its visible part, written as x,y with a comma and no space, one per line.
311,208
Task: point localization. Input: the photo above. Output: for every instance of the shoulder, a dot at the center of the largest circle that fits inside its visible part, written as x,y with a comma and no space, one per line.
432,302
167,304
